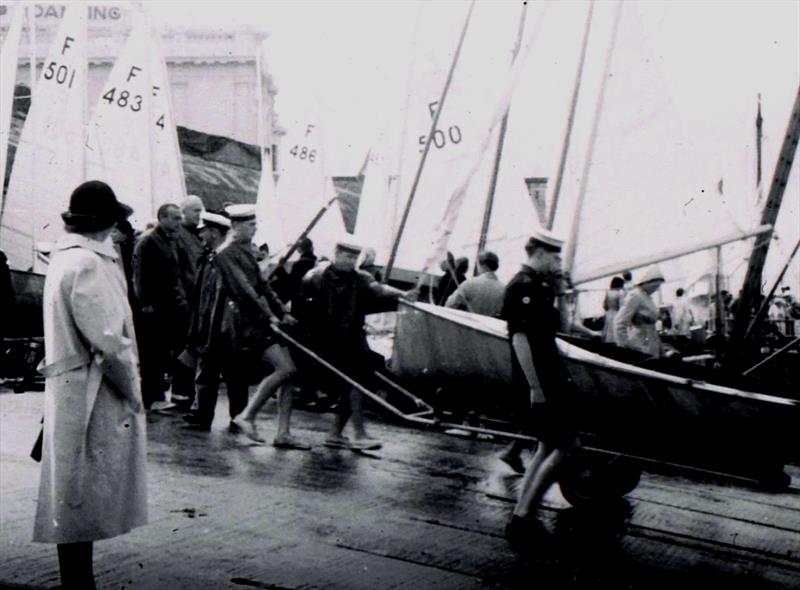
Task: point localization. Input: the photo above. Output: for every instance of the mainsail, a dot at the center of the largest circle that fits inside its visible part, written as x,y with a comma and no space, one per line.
464,123
662,180
49,161
132,142
304,187
8,67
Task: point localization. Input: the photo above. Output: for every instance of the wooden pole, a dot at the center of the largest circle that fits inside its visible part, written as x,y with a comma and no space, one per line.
440,106
304,233
487,211
765,303
551,216
569,256
752,284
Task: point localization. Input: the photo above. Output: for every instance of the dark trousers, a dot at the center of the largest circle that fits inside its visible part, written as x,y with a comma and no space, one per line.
155,357
212,366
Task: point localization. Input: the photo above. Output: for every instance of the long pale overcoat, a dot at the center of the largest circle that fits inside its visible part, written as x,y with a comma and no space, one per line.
93,457
635,323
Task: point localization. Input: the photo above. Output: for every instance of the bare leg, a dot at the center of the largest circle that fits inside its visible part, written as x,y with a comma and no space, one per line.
284,411
342,416
279,358
538,478
356,402
75,565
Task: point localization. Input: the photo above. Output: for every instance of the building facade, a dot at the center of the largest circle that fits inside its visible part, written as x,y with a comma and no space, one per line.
214,74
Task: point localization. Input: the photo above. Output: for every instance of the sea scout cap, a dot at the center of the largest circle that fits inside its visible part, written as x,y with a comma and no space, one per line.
541,236
241,212
348,247
213,220
652,274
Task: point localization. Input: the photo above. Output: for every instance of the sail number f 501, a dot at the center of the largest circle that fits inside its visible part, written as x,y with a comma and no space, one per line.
60,73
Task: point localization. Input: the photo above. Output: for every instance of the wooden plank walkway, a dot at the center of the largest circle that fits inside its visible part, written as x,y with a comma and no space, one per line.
427,511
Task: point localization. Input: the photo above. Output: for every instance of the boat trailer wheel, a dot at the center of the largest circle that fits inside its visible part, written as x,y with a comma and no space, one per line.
589,480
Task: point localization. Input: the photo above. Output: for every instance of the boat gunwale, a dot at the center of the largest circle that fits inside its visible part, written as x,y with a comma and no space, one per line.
578,354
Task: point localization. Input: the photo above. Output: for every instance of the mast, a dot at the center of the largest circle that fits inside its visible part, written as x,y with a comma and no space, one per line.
487,212
569,257
406,212
752,284
571,120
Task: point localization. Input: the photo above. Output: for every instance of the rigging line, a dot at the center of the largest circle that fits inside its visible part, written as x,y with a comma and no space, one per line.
487,213
572,242
571,119
426,150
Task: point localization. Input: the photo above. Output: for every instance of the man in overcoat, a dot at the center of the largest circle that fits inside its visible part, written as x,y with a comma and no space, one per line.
92,485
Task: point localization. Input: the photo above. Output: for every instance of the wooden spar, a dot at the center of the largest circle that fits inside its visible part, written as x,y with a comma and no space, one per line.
718,327
759,139
551,216
572,242
752,284
487,212
665,255
772,357
765,303
407,210
302,235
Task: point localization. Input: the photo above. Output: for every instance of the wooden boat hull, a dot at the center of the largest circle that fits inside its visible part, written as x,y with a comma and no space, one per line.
621,407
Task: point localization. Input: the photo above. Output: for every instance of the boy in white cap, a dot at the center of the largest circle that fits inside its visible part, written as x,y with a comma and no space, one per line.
251,307
334,300
539,375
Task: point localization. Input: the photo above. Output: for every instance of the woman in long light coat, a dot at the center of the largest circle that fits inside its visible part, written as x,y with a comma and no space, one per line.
93,456
635,323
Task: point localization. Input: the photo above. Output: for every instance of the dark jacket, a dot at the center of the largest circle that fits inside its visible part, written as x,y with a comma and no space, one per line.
156,278
335,304
189,248
208,307
249,297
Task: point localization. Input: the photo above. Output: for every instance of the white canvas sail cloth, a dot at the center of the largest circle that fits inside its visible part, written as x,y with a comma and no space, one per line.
375,208
8,76
132,143
654,186
463,126
49,160
304,186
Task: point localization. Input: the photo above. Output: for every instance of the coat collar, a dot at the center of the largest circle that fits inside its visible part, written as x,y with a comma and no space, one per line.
68,241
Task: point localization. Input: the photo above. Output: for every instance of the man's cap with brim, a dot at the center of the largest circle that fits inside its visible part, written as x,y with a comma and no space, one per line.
543,237
241,212
213,220
348,247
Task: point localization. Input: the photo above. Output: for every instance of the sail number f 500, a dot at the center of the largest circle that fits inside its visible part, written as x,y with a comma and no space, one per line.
440,139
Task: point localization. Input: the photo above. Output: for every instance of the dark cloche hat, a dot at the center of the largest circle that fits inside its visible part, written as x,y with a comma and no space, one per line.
93,206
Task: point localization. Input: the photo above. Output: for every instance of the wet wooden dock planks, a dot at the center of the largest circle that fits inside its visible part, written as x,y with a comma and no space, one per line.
427,511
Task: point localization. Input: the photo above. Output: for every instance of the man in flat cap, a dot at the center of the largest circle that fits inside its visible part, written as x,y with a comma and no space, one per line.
335,299
538,374
251,307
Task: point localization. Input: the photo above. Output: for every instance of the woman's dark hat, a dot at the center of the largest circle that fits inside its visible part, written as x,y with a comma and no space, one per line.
93,206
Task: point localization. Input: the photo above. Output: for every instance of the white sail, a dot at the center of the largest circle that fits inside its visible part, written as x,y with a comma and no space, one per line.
49,161
464,123
132,143
268,213
662,180
304,186
8,76
168,184
375,207
118,144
